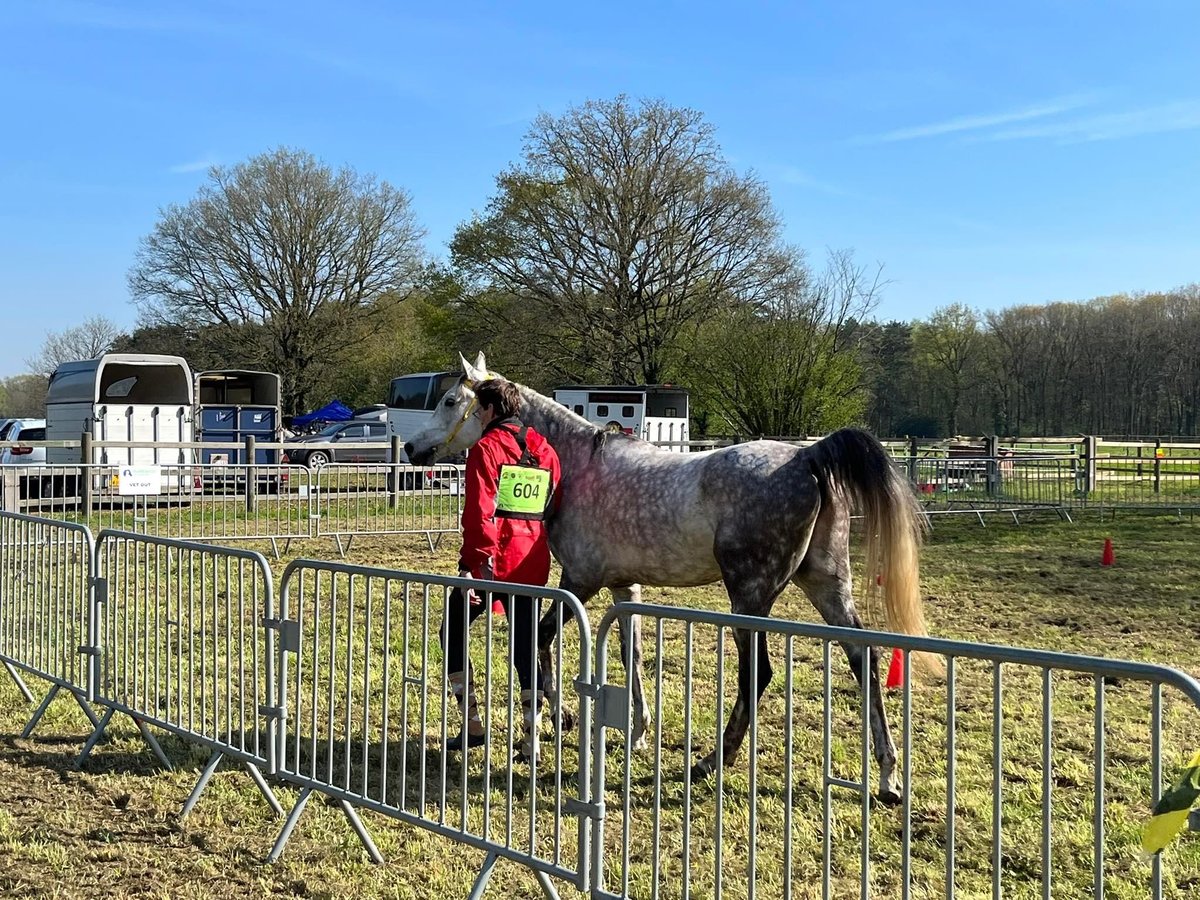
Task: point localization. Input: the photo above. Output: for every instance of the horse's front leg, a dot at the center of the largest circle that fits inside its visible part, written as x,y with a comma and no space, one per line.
631,656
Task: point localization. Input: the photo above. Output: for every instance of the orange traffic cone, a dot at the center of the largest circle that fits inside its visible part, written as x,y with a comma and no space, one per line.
895,675
1108,557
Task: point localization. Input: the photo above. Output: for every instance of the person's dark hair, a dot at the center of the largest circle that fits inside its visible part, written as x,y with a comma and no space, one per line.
501,395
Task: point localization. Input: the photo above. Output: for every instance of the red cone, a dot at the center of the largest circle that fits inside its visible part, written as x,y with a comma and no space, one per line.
895,675
497,608
1108,557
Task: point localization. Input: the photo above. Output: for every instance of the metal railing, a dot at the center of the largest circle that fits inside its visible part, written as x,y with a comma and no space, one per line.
184,646
352,499
1036,725
241,502
1022,772
46,625
369,716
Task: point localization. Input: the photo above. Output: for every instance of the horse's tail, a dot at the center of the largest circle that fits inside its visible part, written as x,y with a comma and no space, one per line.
855,463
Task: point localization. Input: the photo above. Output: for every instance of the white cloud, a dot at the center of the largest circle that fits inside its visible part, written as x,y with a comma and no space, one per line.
1179,116
977,122
199,165
798,178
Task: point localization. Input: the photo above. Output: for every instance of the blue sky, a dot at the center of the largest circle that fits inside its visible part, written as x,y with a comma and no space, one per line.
988,154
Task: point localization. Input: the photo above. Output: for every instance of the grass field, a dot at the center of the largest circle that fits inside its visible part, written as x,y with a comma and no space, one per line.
112,830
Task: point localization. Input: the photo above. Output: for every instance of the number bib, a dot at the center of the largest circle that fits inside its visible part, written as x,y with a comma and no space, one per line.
523,492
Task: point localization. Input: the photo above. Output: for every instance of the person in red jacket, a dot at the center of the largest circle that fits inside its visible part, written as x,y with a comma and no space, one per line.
511,476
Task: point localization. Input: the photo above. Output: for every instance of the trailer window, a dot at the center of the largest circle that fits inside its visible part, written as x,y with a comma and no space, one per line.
120,389
579,409
627,412
602,410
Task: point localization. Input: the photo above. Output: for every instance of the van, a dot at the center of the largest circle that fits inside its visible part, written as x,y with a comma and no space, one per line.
652,412
412,400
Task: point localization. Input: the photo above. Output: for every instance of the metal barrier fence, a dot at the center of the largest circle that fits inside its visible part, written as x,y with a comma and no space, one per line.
46,629
239,502
369,716
1015,742
383,498
992,484
1142,482
183,646
337,689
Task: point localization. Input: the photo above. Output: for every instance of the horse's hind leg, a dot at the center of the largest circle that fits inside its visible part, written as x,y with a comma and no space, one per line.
830,593
631,657
739,717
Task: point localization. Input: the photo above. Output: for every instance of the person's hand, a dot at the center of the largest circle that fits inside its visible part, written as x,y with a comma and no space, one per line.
473,597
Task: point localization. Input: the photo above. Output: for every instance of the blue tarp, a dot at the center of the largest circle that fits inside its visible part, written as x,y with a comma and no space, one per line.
337,411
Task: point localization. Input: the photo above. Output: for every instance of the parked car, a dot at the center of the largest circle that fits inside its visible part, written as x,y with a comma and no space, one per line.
348,440
25,430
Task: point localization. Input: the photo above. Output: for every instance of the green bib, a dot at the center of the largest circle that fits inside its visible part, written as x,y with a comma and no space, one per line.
523,492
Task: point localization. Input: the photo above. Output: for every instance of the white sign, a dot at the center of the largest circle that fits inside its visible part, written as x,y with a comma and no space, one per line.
139,480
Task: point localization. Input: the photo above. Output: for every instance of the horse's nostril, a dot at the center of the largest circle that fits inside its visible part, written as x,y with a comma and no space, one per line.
408,449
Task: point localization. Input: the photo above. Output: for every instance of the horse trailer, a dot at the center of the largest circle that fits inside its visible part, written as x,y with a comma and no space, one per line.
129,397
233,404
652,412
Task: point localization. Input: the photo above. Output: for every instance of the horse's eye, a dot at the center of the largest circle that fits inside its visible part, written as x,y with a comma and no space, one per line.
449,401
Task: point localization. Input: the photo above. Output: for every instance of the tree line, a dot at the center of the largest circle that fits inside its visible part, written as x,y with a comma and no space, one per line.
621,247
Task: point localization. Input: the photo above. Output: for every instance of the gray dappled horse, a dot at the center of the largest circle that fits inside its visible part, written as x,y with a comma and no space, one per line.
754,515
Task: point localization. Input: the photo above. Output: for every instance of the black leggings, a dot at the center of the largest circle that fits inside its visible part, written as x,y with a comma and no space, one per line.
522,612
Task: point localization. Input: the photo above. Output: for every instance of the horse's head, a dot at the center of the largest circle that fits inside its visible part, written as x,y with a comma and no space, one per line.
455,426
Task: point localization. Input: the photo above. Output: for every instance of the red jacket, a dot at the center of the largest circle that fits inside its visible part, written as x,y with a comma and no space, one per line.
517,548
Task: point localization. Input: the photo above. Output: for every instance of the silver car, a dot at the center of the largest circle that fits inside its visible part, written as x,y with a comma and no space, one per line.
25,430
348,443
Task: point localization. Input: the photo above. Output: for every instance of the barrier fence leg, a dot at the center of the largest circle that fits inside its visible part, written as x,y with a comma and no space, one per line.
16,676
289,824
201,782
87,710
95,736
363,835
482,878
154,745
547,884
40,711
268,795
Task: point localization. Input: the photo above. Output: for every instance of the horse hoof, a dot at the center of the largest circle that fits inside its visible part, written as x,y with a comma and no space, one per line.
889,797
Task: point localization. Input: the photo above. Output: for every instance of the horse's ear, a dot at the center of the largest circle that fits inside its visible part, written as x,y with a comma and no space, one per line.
477,372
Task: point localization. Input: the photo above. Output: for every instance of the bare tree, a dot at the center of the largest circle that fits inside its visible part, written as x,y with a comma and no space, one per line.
622,226
91,338
284,254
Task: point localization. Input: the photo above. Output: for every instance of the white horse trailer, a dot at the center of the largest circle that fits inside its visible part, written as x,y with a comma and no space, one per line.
129,397
652,412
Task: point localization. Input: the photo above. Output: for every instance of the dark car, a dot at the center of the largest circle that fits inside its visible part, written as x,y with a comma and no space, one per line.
357,440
